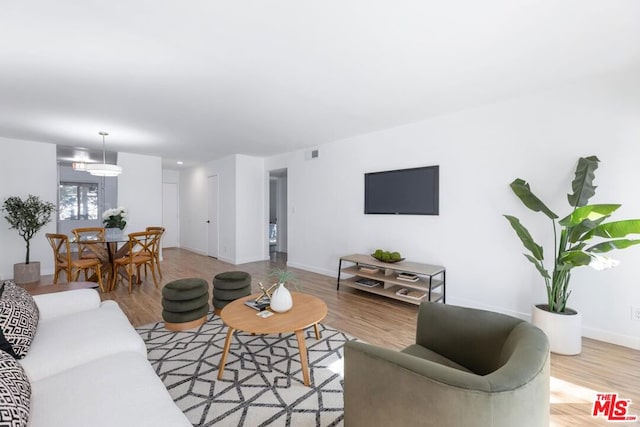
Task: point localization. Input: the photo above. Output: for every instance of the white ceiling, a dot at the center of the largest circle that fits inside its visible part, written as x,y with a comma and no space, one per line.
202,79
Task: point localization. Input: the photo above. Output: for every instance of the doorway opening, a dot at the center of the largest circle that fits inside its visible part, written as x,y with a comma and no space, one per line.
82,197
277,230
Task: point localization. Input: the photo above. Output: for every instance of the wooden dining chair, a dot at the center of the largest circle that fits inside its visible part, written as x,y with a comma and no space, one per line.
156,250
72,267
86,251
139,254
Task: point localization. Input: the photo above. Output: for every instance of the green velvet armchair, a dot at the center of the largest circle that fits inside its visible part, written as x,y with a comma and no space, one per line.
468,367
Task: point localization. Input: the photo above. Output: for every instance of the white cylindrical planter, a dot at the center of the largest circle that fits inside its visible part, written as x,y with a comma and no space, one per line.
281,300
564,330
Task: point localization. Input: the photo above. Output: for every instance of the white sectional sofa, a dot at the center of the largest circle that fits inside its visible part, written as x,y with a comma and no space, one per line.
88,368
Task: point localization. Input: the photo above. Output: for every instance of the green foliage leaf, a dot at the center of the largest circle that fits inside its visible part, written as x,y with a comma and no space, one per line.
615,229
543,272
525,237
582,185
577,233
590,212
522,190
574,259
584,219
580,246
610,245
285,277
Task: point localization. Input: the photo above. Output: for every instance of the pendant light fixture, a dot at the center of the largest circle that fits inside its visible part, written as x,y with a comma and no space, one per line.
103,169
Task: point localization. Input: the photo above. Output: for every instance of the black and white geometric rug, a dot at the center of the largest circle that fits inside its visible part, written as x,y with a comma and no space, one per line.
262,381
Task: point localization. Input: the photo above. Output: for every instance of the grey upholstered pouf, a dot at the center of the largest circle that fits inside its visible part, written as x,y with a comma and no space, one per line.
231,280
219,305
229,286
222,298
179,321
185,289
222,295
185,303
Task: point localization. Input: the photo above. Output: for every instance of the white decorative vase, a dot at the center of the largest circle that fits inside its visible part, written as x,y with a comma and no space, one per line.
112,232
281,299
564,330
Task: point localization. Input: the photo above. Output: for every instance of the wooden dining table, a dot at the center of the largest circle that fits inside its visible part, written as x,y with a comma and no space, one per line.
107,249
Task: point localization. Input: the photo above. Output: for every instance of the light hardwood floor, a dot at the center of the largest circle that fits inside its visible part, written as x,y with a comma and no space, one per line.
601,367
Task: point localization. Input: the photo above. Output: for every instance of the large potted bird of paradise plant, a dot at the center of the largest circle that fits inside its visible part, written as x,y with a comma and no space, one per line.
580,238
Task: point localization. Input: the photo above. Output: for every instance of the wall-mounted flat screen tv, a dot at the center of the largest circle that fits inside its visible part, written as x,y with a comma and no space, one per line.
402,192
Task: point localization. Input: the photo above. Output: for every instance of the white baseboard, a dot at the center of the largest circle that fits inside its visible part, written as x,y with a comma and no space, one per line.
225,259
463,302
198,251
47,271
323,271
588,332
611,337
247,260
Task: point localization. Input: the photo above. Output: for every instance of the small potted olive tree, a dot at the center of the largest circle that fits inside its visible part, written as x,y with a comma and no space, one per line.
27,216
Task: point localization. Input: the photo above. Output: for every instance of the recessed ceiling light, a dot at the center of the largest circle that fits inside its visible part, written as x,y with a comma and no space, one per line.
179,162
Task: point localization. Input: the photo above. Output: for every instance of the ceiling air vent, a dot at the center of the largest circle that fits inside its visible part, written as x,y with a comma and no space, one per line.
312,154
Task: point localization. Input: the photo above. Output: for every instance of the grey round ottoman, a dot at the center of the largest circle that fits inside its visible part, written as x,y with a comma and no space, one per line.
185,303
229,286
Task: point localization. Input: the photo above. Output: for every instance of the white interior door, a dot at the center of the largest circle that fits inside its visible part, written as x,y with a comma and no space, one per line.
170,215
212,220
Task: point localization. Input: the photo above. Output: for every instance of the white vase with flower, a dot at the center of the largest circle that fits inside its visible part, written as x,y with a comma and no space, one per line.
114,220
281,300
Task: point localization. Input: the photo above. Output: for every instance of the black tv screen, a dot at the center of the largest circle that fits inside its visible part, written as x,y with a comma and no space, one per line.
402,192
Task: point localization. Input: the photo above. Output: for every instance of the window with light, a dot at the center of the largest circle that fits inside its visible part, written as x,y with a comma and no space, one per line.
78,201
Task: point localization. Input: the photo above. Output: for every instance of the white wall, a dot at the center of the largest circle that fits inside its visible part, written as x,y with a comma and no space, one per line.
27,168
171,208
241,208
480,151
251,237
170,176
140,190
194,209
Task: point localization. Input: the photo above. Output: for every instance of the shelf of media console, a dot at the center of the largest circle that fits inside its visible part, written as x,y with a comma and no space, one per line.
431,278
